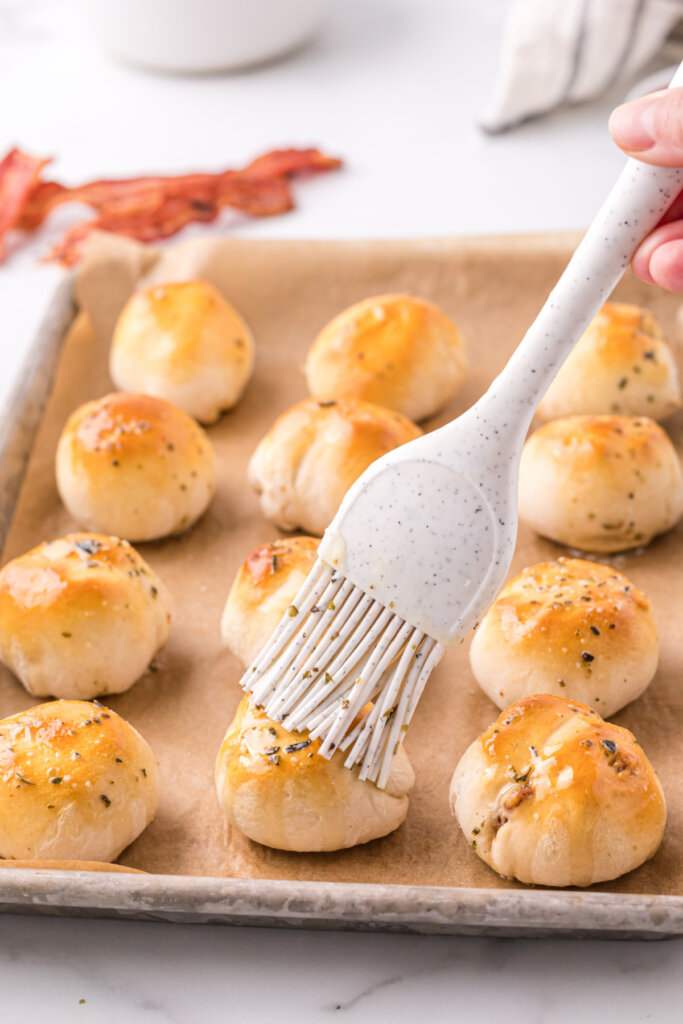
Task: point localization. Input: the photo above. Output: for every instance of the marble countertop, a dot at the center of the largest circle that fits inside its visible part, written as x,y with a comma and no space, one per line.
395,87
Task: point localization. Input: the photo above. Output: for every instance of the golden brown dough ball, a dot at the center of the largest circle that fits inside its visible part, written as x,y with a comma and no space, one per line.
77,782
396,350
600,483
185,343
275,788
552,795
81,616
134,466
622,364
264,588
572,628
312,454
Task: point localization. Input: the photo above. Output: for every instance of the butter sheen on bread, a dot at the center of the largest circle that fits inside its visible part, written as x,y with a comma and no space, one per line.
77,782
399,351
622,364
573,628
275,788
264,588
552,795
134,466
184,342
600,483
81,616
312,454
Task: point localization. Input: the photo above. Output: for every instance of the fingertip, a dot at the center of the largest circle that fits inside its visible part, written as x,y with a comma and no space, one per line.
640,264
629,128
666,265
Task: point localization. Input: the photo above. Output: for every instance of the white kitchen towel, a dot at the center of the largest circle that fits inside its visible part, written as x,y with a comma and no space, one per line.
558,52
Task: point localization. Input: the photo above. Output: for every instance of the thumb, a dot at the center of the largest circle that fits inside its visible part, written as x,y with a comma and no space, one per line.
651,128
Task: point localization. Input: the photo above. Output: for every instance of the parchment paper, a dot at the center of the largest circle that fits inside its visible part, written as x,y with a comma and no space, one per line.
287,291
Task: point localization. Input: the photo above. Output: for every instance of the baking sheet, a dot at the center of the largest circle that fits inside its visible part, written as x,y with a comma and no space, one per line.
287,291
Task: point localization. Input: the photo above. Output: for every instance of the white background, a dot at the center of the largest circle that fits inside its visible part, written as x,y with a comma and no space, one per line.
395,87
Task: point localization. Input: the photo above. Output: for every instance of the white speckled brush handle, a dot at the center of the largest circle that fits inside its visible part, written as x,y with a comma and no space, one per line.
641,196
429,529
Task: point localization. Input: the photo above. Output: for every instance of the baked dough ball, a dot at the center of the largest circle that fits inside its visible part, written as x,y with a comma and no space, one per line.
81,616
573,628
77,782
600,483
395,350
312,454
185,343
622,364
275,788
134,466
552,795
265,586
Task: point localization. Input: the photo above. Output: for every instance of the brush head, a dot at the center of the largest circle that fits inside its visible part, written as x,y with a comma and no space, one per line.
336,649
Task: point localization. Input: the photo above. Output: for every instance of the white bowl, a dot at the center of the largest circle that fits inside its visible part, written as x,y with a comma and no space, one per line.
202,35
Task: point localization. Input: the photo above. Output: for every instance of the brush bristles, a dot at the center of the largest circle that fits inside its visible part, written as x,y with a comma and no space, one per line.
335,650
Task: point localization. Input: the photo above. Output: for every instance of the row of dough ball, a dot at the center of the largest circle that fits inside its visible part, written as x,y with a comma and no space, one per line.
140,468
549,795
571,627
404,353
184,342
592,480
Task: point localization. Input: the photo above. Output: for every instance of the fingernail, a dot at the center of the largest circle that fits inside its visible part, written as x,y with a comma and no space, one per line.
631,126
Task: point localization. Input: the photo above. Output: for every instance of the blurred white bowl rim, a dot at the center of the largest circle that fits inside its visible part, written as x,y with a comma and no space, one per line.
202,35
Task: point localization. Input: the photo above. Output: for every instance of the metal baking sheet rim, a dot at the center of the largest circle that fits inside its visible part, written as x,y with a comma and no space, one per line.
271,903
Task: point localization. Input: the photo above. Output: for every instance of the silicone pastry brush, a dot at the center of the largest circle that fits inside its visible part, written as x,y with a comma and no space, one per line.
423,540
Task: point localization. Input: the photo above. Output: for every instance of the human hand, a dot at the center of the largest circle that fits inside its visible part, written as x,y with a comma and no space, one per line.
651,129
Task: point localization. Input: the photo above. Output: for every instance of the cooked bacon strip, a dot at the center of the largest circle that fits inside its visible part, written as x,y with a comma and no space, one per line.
19,175
169,217
151,208
291,162
42,199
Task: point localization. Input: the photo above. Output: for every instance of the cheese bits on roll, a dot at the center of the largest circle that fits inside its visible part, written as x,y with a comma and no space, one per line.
622,364
134,466
600,483
552,795
275,788
77,782
185,343
396,350
265,586
312,454
81,616
573,628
